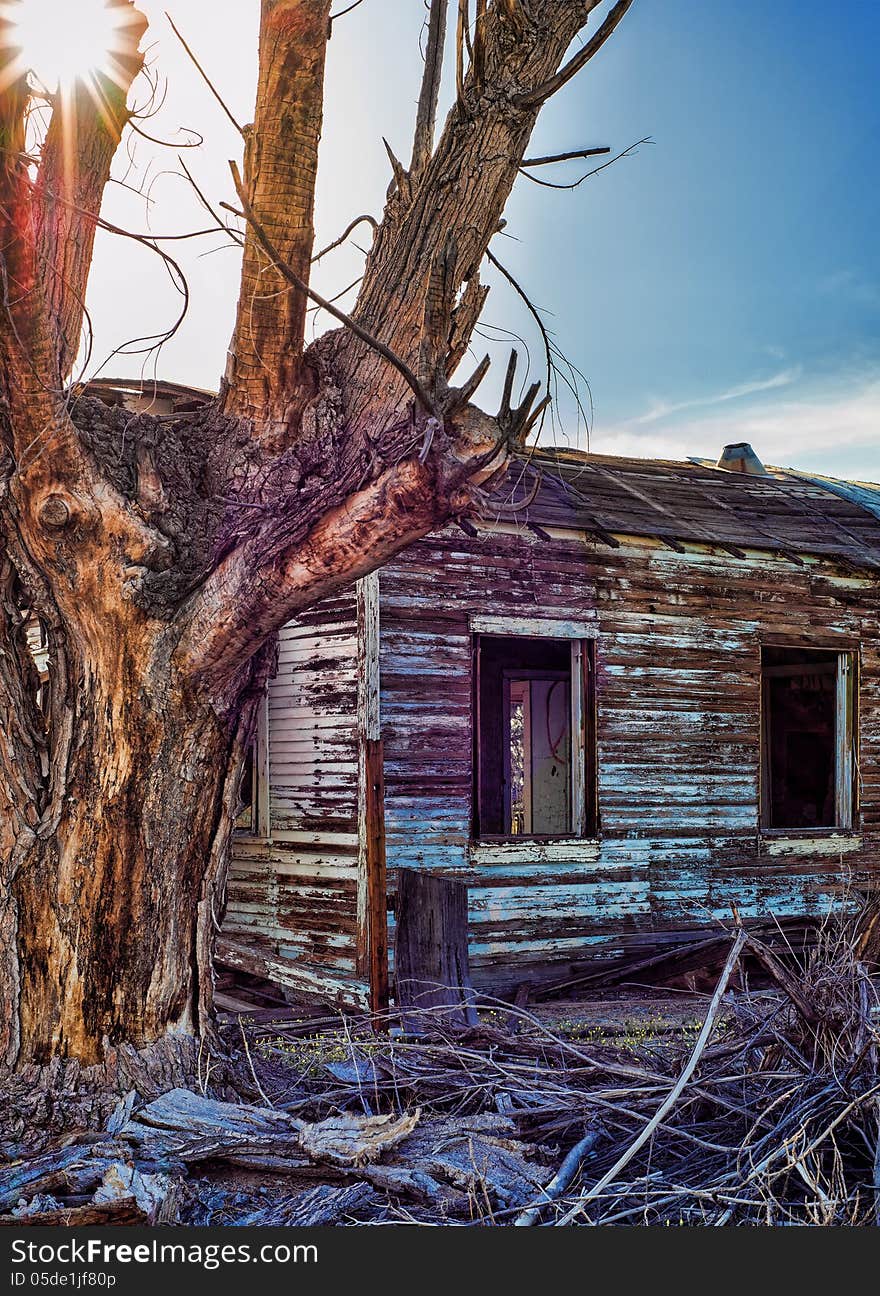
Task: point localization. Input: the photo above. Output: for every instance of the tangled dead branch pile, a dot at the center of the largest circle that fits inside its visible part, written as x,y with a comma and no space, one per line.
767,1112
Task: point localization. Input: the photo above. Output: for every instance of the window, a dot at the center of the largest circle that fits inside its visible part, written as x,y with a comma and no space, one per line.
808,728
533,716
253,792
246,819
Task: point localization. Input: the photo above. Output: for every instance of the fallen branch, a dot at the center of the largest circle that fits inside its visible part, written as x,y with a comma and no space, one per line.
560,1181
678,1087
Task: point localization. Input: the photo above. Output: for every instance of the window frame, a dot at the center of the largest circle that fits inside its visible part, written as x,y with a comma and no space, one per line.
583,763
846,736
260,825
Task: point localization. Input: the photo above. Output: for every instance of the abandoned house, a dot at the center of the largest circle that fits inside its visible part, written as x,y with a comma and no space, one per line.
648,696
639,695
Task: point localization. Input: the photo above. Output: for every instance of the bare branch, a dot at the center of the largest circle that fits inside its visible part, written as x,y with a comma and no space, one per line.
343,12
352,225
555,83
482,147
464,393
564,157
314,310
532,309
247,597
296,282
551,352
203,74
163,143
573,184
401,175
221,224
426,116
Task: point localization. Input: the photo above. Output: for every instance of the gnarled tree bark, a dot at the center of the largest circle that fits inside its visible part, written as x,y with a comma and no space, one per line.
161,558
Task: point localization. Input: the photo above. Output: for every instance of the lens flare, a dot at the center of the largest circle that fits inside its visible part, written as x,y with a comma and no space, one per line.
63,41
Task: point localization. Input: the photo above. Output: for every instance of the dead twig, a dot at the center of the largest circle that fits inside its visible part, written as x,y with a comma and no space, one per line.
294,280
678,1087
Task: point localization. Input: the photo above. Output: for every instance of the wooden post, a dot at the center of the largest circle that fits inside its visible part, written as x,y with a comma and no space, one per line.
372,901
431,950
377,902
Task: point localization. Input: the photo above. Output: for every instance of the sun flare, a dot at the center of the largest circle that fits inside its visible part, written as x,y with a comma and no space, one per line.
64,41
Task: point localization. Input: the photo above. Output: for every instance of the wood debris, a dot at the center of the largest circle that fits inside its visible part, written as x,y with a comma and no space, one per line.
764,1110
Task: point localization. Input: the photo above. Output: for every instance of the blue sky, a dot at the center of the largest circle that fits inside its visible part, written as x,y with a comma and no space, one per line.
722,283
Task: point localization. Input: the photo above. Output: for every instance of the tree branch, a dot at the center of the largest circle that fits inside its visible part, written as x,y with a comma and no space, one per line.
280,169
352,225
81,142
426,114
246,598
203,74
555,83
458,198
574,184
564,157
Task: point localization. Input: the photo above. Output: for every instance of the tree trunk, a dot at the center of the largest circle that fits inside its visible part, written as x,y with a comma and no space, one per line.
116,904
162,555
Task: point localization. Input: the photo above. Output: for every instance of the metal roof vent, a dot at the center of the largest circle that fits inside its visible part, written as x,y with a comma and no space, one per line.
741,458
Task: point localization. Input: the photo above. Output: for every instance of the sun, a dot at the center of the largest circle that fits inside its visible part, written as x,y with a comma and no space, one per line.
64,41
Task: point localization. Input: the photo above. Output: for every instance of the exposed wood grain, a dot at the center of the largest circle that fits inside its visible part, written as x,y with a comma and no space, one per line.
431,948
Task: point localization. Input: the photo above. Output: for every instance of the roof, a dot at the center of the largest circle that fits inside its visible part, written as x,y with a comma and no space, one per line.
145,392
784,512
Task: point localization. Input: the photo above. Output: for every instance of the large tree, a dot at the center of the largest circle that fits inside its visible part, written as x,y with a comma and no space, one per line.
161,556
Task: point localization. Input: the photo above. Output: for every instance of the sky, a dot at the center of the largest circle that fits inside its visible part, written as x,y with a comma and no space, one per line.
720,283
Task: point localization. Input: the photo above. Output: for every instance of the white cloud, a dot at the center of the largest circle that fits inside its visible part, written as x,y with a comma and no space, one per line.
662,409
835,430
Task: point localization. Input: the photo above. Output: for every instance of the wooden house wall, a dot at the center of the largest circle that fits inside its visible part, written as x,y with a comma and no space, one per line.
293,899
678,640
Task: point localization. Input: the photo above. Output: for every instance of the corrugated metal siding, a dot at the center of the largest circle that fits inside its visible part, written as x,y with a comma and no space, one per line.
678,695
295,897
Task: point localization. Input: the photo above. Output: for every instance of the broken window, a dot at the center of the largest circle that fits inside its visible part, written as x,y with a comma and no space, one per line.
808,727
532,718
253,790
246,819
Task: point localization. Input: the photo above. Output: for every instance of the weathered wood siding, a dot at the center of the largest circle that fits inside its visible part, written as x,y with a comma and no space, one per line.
678,640
293,898
677,654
